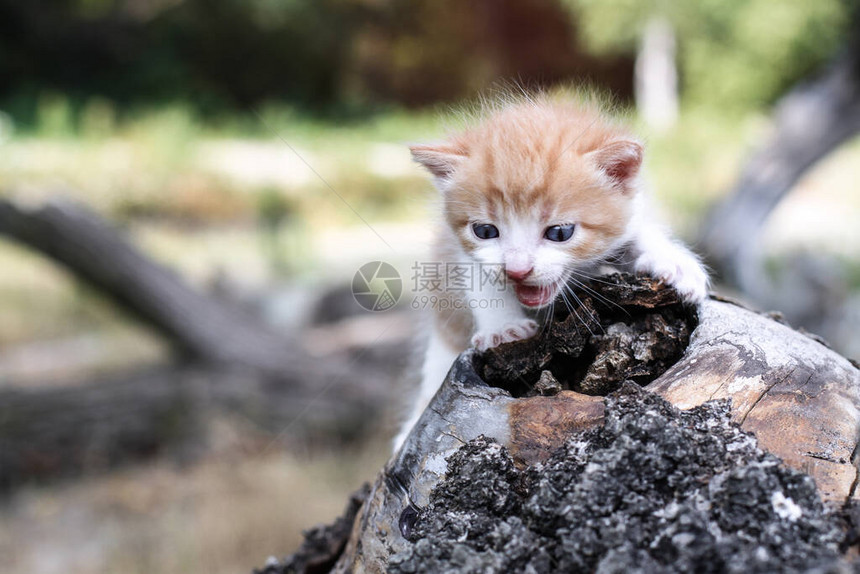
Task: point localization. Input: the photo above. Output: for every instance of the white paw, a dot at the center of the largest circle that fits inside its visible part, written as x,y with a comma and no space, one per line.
514,331
682,271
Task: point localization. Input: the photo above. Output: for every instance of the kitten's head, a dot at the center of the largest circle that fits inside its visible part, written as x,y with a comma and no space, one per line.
541,186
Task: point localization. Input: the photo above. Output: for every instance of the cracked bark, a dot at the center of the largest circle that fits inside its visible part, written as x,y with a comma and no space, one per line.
794,393
741,417
855,460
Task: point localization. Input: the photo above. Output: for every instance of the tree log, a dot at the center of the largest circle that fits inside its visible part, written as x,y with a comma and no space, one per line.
231,362
93,426
98,254
801,400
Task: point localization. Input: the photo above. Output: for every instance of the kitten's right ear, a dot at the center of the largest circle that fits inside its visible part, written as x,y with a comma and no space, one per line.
619,161
441,159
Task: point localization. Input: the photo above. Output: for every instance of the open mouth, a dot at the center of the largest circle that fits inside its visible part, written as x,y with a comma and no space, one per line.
535,295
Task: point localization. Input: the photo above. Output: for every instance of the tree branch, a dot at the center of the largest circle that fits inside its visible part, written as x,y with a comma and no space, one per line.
809,122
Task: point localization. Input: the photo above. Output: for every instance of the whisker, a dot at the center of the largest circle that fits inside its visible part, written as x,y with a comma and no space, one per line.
592,275
590,313
597,295
547,323
566,302
589,276
570,307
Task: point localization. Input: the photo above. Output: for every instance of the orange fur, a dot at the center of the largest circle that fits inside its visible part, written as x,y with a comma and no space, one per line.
563,160
532,153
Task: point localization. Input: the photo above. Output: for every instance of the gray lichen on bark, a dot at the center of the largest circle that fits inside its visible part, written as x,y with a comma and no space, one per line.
655,489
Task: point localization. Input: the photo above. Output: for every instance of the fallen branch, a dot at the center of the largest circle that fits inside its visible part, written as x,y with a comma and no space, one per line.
99,255
231,363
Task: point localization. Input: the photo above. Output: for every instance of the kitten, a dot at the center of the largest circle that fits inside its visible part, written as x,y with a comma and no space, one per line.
549,189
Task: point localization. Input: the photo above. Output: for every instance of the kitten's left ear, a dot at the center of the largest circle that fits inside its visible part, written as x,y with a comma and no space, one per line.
619,161
441,159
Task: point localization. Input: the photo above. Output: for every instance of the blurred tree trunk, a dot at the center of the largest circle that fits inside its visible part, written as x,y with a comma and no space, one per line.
164,411
657,75
809,122
232,363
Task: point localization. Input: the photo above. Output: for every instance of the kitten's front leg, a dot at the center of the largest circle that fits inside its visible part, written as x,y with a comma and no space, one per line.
499,318
658,255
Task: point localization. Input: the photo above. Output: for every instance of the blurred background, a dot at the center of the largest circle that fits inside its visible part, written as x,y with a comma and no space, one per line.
187,188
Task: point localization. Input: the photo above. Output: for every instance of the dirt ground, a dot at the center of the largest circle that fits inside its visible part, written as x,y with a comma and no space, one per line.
224,514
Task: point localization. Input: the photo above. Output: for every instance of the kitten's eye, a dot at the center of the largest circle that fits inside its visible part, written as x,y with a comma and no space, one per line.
485,230
559,232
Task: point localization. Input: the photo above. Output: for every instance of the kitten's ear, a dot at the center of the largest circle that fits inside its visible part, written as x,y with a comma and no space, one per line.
619,161
440,159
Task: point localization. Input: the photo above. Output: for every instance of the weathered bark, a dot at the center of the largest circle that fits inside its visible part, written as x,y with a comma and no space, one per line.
809,122
801,399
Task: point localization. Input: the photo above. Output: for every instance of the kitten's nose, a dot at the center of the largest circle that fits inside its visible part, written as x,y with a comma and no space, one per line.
518,274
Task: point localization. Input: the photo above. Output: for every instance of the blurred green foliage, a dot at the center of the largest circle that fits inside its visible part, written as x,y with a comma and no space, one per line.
214,53
77,66
342,57
333,57
733,54
132,100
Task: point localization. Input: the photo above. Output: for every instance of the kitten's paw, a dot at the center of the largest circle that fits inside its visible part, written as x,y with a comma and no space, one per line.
682,271
514,331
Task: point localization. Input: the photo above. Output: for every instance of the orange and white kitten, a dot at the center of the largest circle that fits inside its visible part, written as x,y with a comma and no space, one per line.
550,189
